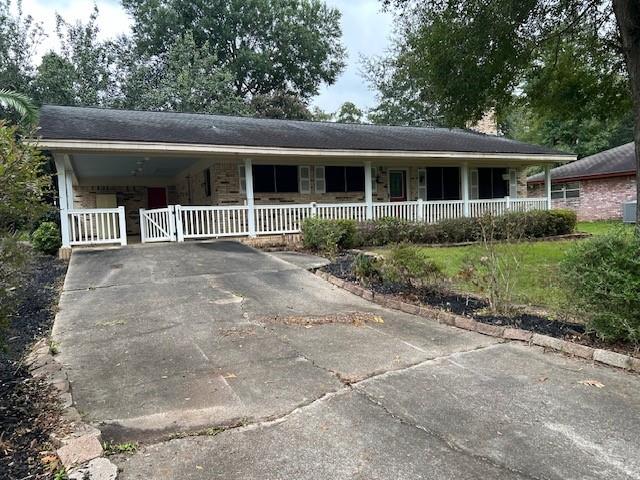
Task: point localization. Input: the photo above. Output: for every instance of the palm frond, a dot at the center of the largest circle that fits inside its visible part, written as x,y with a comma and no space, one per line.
19,102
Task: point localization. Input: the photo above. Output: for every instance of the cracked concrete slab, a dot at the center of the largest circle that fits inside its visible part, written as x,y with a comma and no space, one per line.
177,338
341,437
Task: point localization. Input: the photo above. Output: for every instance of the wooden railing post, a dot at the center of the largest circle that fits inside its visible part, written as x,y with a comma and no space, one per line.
420,212
123,226
177,209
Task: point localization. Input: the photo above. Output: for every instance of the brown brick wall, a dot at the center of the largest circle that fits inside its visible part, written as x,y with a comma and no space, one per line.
600,199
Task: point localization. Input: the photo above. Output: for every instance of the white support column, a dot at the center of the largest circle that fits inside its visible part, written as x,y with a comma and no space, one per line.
368,189
179,227
464,170
251,213
63,201
547,185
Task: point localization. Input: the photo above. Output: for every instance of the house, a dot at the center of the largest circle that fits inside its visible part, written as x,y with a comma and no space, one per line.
595,187
174,176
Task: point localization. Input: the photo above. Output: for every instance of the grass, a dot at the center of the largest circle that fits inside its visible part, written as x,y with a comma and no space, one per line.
537,282
601,227
116,448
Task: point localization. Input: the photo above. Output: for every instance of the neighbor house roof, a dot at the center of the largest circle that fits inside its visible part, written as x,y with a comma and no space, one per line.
610,163
97,124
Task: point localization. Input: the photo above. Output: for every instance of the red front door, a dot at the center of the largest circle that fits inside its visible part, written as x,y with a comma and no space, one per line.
157,197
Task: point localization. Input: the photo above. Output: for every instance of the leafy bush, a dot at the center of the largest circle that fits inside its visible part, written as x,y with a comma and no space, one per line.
328,235
408,265
46,238
603,280
367,268
511,226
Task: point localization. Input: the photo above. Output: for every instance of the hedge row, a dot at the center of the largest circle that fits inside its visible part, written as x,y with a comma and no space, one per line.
333,235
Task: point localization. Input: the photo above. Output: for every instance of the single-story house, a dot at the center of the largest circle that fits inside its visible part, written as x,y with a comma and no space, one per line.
595,187
174,176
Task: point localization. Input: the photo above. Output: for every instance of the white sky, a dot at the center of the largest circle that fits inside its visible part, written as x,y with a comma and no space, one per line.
366,30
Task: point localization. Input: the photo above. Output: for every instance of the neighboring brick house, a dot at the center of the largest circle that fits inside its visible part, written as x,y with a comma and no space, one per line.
595,187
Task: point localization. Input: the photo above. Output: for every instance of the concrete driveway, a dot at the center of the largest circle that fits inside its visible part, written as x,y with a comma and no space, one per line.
168,341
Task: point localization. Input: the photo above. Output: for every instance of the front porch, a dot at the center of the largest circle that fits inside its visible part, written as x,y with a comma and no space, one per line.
112,197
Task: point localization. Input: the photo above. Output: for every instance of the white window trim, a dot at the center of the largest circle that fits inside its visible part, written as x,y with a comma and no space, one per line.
304,175
319,180
474,184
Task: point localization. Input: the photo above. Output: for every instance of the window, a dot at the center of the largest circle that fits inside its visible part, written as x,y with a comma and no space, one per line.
493,183
442,183
206,177
344,179
564,191
275,178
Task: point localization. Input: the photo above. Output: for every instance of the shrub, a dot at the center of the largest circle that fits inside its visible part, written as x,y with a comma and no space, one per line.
367,268
602,276
384,231
328,235
409,265
493,270
46,238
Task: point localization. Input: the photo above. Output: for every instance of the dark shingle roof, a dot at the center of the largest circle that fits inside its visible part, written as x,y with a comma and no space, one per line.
79,123
620,159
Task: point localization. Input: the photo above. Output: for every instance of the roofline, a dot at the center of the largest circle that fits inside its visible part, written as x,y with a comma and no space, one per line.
197,148
595,176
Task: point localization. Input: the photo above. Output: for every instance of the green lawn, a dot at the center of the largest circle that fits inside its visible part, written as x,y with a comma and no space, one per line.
601,227
536,281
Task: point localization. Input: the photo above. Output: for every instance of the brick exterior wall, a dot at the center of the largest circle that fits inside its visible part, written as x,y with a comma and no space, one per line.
600,199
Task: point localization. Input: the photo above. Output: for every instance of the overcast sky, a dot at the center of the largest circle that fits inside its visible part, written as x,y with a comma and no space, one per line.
365,28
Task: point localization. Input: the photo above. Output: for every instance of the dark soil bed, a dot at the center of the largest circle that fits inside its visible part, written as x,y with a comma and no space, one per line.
474,307
29,412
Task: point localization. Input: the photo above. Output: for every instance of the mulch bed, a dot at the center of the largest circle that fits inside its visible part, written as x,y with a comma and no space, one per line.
475,307
29,411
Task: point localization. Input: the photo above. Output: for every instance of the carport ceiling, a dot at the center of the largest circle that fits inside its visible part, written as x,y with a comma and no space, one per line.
129,165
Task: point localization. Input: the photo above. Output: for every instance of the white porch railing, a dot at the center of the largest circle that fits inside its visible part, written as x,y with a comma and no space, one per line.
95,226
211,222
176,222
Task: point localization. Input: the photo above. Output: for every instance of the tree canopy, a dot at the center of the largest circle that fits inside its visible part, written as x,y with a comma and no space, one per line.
250,57
553,70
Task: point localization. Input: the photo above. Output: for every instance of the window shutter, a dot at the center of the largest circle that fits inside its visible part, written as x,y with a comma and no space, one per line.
320,184
473,181
513,182
422,183
304,179
243,180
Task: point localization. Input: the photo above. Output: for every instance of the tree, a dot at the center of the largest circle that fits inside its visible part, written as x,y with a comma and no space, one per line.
280,104
20,103
471,55
319,115
399,99
186,78
267,45
19,37
349,113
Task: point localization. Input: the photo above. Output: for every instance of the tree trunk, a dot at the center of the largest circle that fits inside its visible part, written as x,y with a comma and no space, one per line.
628,18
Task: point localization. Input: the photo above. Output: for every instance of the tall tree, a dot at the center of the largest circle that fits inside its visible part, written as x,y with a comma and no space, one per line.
280,104
267,45
81,73
186,78
471,55
349,113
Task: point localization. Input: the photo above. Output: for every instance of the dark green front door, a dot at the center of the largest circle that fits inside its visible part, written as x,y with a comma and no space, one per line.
397,185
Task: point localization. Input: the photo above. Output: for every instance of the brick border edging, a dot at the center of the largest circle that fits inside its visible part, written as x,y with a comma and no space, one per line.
606,357
78,449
